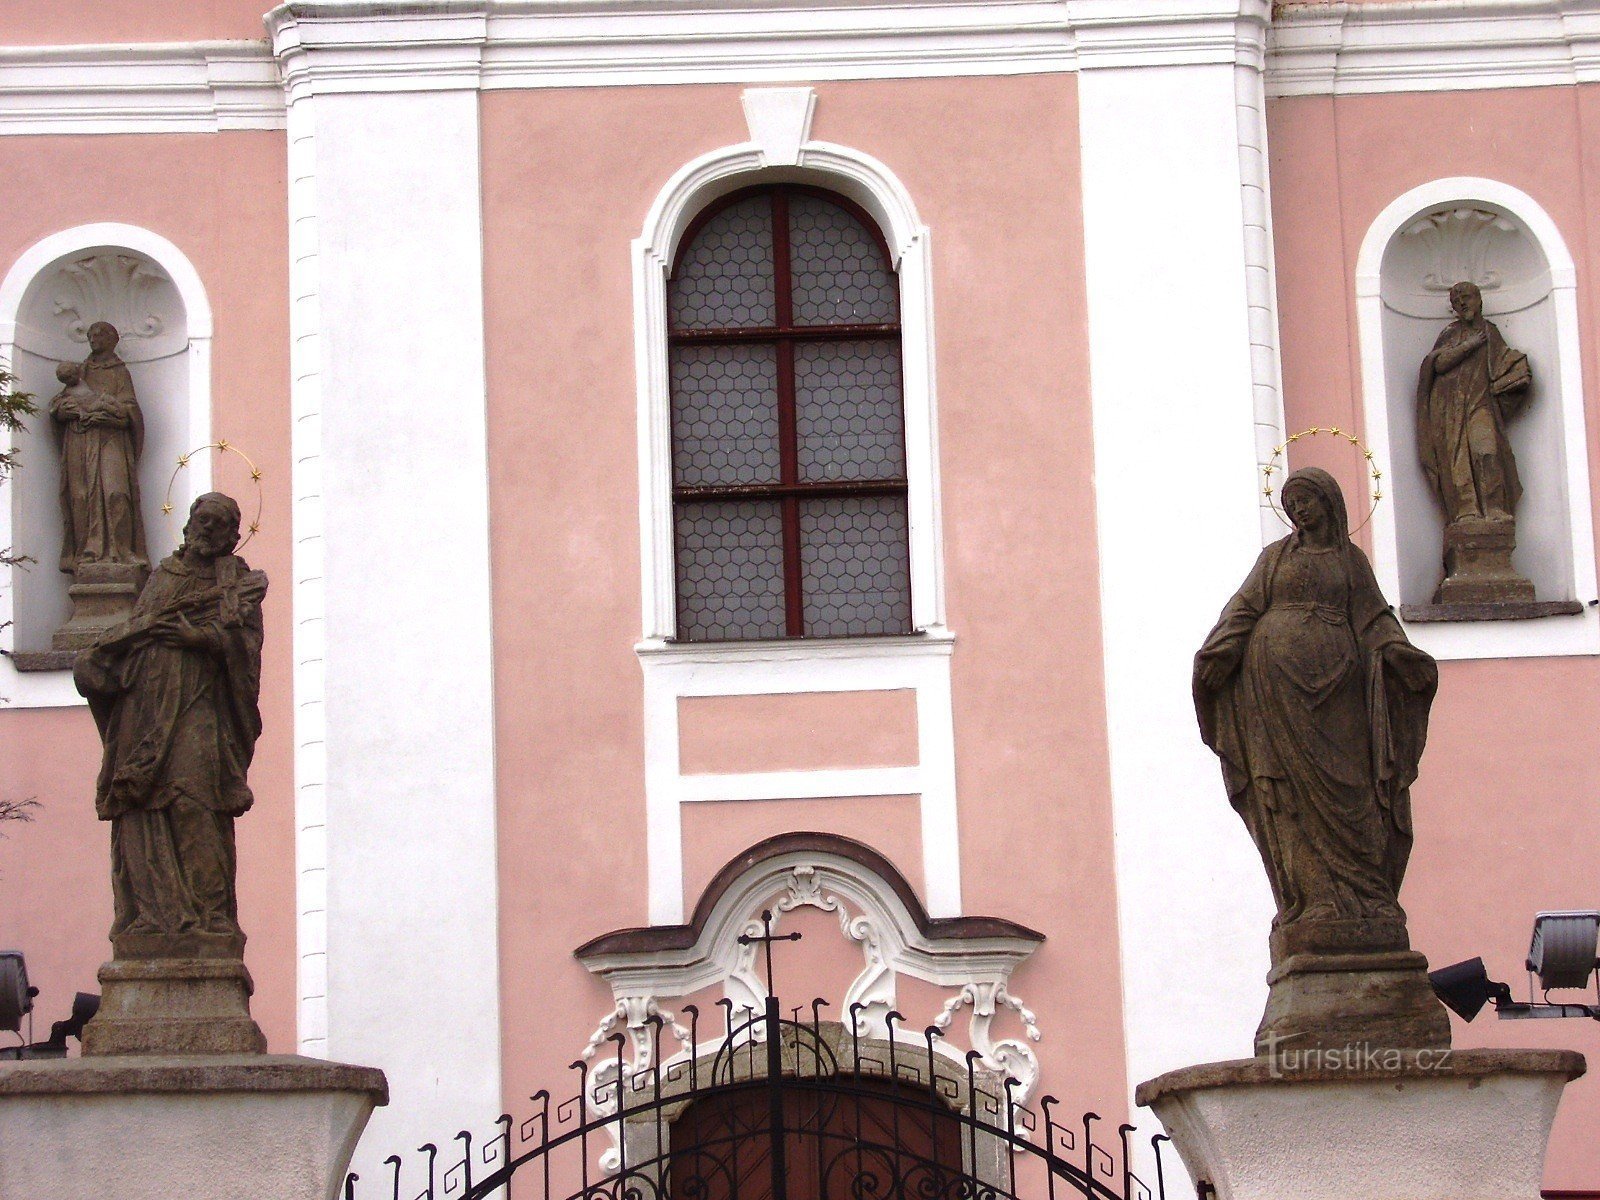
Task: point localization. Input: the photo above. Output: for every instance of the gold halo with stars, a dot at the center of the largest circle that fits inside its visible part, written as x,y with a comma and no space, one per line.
221,446
1272,467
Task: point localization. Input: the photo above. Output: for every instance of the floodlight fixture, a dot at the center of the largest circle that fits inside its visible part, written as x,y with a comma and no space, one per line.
16,997
1563,953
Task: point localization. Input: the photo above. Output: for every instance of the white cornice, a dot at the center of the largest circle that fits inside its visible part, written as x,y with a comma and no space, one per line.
329,46
363,45
196,87
1431,45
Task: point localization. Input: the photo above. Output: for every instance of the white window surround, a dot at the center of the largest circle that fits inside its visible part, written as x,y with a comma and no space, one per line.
781,151
54,689
1484,639
785,157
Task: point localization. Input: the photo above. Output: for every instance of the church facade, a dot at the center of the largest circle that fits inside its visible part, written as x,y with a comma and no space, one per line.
712,458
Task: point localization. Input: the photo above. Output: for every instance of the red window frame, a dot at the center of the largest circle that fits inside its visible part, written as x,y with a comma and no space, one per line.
784,334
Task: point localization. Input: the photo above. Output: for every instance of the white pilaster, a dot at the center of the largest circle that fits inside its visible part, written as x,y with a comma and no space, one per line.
1183,373
393,682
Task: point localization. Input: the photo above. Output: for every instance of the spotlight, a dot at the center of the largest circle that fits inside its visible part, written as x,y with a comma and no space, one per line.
16,1001
84,1007
1465,987
1563,951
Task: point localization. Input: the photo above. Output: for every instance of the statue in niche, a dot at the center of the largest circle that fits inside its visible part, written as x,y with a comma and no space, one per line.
174,693
1471,384
1317,704
103,543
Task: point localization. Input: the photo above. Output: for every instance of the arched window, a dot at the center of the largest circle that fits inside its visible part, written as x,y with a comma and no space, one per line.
789,489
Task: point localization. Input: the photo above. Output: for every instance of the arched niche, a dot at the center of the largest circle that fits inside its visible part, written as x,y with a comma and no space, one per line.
1492,235
147,288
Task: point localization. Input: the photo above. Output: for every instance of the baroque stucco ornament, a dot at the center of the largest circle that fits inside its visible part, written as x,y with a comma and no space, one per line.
1461,243
876,911
126,290
638,1025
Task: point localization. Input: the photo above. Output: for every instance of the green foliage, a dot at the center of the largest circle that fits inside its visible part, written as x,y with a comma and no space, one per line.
15,407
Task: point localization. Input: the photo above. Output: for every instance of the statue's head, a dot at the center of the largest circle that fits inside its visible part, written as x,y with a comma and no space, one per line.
212,529
1466,301
1314,502
103,336
69,373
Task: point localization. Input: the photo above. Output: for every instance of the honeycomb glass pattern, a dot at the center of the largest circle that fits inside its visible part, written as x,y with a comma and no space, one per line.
725,279
855,566
730,570
847,411
838,271
724,415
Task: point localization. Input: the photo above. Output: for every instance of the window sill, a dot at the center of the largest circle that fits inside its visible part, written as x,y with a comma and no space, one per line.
933,641
31,661
1509,611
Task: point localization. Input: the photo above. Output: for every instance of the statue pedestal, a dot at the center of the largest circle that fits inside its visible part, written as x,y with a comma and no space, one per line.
1338,982
1334,1000
1394,1125
1477,564
103,596
173,1006
257,1127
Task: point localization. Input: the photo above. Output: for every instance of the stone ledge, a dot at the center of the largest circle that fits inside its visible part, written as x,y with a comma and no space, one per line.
42,660
1502,610
213,1073
1415,1064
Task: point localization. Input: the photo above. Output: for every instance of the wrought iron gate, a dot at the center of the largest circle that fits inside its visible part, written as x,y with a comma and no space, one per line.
784,1108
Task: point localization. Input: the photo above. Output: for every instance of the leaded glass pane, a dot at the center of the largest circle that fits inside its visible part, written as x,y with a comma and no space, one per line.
847,410
839,272
724,415
855,566
730,570
725,279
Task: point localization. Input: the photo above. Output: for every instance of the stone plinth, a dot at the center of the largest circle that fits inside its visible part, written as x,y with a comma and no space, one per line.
1366,1122
238,1127
103,595
1477,564
1329,1001
167,1006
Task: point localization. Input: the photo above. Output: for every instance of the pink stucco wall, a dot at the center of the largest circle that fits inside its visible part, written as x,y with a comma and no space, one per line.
803,732
221,200
567,179
1505,809
99,22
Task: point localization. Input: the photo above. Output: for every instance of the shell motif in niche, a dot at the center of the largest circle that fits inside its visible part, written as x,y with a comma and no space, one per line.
124,289
1460,244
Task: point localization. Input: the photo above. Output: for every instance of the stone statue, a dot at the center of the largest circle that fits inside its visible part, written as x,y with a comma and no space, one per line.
174,693
102,435
103,542
1317,705
1471,384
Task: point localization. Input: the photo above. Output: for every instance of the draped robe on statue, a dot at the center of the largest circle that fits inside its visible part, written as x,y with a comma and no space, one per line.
100,470
180,726
1319,738
1461,423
